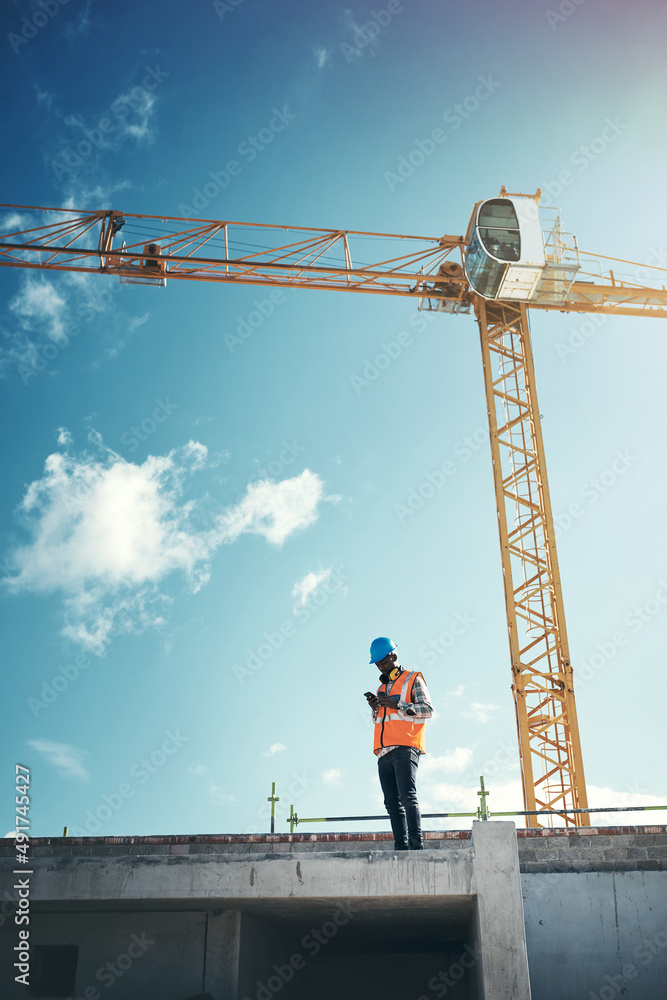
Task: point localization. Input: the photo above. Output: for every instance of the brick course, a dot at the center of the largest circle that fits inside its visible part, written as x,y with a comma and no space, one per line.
584,849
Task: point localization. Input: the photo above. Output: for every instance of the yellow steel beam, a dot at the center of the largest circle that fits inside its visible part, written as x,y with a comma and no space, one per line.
549,746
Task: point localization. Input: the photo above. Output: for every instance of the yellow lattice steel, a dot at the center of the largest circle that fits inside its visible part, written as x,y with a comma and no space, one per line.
542,684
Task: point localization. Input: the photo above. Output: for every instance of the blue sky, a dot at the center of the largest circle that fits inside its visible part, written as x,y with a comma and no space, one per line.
201,537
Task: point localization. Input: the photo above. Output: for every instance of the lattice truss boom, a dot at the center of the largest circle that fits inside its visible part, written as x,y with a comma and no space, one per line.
243,253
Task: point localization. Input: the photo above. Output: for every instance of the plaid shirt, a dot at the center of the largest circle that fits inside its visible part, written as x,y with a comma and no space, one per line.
420,707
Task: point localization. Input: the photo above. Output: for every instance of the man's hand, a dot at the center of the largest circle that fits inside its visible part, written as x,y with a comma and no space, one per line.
388,701
372,700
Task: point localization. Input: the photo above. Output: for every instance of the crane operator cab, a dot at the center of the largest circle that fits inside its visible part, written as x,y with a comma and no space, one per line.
518,252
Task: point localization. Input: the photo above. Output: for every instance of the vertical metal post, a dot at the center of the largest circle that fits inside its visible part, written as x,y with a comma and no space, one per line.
292,819
483,811
273,798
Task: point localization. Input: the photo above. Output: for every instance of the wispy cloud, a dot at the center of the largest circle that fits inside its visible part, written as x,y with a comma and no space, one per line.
361,39
219,795
79,25
273,749
332,776
65,758
138,321
196,768
482,712
448,797
455,692
38,302
322,56
13,222
305,588
455,760
107,533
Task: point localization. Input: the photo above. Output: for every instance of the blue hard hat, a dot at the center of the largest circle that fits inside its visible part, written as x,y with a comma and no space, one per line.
380,647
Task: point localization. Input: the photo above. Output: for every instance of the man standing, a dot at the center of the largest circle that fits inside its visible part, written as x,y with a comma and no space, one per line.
400,709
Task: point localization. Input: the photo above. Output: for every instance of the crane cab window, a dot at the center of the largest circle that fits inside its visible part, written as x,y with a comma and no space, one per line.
498,229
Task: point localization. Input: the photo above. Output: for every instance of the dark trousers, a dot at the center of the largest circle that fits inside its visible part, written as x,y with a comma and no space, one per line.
397,771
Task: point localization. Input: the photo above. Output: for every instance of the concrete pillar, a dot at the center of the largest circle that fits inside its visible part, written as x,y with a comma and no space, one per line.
502,973
223,949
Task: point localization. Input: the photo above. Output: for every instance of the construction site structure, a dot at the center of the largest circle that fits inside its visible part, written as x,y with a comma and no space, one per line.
514,257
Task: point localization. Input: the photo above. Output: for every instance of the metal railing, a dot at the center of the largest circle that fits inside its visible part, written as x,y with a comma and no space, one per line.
481,813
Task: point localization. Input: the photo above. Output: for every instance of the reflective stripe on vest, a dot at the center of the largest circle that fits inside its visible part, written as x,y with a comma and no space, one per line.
399,729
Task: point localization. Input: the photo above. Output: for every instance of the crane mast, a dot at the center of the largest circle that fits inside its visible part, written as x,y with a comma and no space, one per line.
542,684
433,270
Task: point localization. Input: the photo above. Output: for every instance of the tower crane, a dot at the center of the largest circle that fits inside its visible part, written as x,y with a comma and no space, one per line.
514,257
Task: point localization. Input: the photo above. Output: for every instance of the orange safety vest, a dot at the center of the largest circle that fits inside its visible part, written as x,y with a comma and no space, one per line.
397,728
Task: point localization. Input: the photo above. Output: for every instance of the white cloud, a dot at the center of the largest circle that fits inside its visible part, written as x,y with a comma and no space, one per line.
39,303
14,223
331,776
274,748
321,56
481,712
138,321
452,760
274,510
80,195
66,758
80,24
64,437
600,796
455,692
106,533
196,769
305,588
445,797
218,795
142,104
